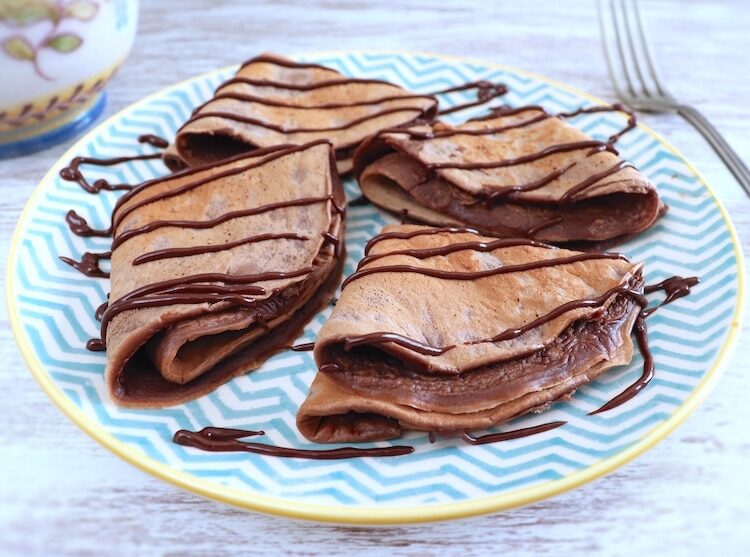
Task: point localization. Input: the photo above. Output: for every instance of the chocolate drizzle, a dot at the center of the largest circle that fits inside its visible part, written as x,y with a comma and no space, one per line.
639,330
170,253
508,435
675,288
472,275
491,194
306,347
218,439
89,263
486,91
72,172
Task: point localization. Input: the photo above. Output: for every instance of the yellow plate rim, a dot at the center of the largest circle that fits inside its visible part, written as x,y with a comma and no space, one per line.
363,515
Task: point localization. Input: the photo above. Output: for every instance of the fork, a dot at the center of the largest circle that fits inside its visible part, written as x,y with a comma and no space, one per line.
638,82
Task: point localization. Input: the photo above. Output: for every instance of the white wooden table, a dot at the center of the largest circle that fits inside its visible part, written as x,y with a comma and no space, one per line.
62,494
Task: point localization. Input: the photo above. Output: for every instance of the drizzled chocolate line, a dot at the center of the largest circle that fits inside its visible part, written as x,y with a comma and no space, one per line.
203,224
674,287
394,338
593,145
233,95
334,240
486,91
414,233
101,309
80,227
472,275
89,264
185,290
639,330
281,129
597,302
451,248
508,435
119,213
169,253
217,439
275,60
72,172
306,347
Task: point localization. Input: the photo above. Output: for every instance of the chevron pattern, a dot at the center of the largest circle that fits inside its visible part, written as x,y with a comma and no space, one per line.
57,304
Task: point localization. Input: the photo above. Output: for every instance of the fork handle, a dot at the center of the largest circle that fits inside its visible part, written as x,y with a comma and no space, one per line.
719,144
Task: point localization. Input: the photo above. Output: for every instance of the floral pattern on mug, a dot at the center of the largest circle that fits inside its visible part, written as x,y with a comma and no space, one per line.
21,14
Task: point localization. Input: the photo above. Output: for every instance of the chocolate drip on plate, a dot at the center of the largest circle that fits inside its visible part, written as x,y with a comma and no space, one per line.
508,435
89,263
216,439
72,172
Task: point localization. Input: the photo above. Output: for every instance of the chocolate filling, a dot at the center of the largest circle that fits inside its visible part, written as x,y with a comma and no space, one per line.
140,381
605,218
374,373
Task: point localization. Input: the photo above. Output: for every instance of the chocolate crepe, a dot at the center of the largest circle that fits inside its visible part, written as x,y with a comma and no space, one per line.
520,172
418,341
216,268
273,100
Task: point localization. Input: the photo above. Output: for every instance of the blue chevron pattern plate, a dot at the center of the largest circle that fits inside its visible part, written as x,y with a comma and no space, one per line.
52,310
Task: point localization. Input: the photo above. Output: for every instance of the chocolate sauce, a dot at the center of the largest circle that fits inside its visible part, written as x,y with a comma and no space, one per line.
95,345
281,129
169,253
192,289
119,213
334,240
101,309
203,224
306,347
508,435
80,227
472,275
486,91
216,439
89,263
451,248
415,233
394,338
72,173
640,332
597,302
674,287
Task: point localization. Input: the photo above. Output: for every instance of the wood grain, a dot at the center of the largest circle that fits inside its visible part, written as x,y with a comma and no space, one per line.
62,494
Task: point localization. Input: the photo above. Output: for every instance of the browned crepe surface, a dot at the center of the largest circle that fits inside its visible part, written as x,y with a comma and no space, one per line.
392,172
212,138
166,355
377,389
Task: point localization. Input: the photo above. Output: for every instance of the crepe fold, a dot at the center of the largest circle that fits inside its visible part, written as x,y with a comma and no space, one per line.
216,268
521,172
273,100
418,342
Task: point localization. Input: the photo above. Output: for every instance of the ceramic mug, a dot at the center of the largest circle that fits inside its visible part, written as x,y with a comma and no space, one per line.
55,58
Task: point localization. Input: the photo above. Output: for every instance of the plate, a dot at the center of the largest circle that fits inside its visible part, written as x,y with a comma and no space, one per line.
52,313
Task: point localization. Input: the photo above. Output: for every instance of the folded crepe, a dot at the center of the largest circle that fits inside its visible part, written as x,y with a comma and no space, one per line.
445,330
273,100
520,172
216,268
